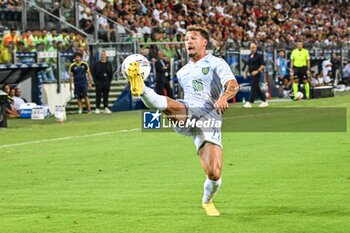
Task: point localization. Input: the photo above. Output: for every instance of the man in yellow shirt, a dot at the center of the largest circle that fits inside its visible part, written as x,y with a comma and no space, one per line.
300,69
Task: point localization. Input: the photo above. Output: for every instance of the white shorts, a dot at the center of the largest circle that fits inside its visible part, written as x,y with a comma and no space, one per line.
200,135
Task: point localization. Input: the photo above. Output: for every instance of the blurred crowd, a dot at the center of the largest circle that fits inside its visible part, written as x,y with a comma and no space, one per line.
240,22
275,22
41,41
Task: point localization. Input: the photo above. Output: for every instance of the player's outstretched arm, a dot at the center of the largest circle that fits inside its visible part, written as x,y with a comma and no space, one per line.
232,88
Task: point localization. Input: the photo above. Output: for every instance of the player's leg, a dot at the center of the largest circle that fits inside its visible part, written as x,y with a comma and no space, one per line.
254,86
80,105
98,92
259,92
211,160
287,82
105,92
307,88
306,84
87,102
295,87
78,95
151,99
86,97
280,86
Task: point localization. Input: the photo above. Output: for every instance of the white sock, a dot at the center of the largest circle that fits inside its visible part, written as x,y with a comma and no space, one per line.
211,187
153,100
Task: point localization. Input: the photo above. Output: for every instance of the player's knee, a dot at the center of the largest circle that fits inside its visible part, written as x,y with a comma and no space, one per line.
214,174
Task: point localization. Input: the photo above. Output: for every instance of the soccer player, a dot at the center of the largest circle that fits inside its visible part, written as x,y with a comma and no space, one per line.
208,84
300,69
79,73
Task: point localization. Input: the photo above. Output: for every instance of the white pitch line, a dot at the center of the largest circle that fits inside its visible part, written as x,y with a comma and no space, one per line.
68,138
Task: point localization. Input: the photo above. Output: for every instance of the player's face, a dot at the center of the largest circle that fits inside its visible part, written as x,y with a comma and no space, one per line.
253,48
299,45
195,43
281,54
103,56
77,59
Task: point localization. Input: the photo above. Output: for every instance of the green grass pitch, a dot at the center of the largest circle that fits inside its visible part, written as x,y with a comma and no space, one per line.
100,173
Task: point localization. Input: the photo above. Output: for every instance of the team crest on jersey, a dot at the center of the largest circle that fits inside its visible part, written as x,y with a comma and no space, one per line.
197,85
205,70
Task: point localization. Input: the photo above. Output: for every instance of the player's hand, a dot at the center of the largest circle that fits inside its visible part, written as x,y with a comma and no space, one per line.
245,75
255,72
221,105
308,73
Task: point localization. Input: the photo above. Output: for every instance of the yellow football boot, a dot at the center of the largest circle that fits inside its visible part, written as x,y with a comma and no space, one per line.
135,79
210,209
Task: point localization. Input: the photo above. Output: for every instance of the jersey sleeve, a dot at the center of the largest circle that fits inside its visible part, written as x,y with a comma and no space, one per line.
87,67
278,62
70,68
261,58
307,55
224,72
179,75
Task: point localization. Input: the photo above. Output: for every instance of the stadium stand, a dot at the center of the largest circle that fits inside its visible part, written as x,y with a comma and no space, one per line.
126,27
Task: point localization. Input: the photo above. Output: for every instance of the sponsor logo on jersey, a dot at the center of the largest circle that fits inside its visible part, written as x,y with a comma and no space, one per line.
197,85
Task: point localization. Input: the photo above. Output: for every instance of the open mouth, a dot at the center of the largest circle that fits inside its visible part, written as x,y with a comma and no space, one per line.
190,49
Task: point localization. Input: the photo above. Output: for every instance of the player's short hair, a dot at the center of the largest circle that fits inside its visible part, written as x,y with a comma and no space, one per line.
203,31
78,54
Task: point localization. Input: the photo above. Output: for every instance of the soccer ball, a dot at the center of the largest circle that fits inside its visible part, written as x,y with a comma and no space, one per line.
144,65
300,95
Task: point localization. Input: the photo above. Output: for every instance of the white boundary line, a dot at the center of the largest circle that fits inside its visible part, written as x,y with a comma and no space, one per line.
68,138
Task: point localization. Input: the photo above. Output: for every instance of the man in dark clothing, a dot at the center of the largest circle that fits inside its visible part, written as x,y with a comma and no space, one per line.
102,73
255,66
162,76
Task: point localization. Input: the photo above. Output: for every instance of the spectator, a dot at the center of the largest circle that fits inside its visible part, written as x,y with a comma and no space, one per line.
346,72
88,27
102,73
11,37
27,39
328,81
162,76
18,99
317,81
6,53
10,109
336,61
327,70
21,47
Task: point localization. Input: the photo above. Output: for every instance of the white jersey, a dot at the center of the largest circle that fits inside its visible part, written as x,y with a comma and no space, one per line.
203,82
